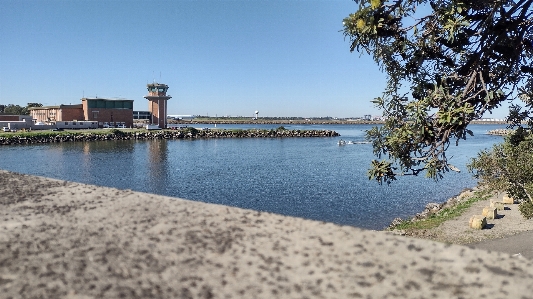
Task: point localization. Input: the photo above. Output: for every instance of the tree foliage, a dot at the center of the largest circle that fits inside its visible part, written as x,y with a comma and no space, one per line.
12,109
448,62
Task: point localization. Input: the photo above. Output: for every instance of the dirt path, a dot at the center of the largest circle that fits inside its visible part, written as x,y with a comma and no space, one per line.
498,232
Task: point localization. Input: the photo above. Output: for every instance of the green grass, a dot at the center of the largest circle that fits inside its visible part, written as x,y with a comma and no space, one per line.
48,133
444,214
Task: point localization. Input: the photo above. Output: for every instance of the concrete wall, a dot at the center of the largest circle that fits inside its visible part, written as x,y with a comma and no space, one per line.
69,240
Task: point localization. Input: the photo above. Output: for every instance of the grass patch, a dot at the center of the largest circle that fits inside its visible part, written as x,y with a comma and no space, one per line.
50,133
443,215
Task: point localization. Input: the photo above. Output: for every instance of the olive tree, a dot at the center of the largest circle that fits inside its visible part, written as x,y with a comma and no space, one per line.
447,62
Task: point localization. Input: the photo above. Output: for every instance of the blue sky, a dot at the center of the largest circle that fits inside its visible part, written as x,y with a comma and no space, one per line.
280,57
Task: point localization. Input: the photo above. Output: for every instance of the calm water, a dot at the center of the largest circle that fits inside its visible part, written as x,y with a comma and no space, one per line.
304,177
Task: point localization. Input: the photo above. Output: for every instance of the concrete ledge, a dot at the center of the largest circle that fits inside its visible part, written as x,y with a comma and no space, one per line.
69,240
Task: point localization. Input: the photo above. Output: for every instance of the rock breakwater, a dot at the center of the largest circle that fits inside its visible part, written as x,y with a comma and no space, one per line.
187,133
500,132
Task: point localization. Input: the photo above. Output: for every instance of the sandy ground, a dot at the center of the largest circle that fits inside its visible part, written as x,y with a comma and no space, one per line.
69,240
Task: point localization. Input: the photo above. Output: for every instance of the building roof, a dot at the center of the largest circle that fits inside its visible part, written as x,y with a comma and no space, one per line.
155,84
104,99
56,107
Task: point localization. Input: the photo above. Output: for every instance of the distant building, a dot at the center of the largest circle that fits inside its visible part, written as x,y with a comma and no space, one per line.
51,114
142,115
112,112
5,118
106,112
157,103
16,121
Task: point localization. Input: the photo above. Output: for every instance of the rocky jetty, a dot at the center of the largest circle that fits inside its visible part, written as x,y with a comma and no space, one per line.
186,133
500,132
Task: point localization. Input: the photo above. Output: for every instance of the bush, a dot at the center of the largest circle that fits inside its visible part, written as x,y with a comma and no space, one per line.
117,132
526,209
509,167
191,130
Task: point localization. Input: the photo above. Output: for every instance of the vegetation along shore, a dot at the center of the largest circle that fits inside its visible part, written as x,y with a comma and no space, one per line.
138,134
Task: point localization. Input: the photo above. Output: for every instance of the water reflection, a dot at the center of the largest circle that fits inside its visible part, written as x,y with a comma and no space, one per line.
158,165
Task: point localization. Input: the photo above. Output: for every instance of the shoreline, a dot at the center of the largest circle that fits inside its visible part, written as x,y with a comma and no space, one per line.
304,122
60,239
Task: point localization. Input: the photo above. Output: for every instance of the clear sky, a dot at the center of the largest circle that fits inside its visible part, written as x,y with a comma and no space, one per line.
219,57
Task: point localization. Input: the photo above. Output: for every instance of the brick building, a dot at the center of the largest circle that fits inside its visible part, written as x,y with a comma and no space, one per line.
105,111
112,112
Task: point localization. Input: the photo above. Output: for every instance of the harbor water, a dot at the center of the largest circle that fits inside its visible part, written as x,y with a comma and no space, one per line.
313,178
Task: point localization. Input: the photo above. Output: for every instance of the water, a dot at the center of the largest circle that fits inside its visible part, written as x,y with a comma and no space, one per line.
304,177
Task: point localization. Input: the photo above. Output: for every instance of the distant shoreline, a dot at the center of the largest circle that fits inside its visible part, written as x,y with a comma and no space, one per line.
300,122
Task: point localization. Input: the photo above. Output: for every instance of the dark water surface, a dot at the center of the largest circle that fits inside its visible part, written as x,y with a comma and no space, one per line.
304,177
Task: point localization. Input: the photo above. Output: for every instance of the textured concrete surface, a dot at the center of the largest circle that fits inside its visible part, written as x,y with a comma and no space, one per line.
69,240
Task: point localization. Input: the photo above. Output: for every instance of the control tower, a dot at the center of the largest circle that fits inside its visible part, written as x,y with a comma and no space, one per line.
157,103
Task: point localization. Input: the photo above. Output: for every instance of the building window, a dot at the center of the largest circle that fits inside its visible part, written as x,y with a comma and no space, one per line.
95,114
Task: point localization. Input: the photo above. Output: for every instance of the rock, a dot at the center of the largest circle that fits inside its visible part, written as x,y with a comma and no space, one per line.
395,222
432,206
507,200
478,222
490,213
497,204
399,232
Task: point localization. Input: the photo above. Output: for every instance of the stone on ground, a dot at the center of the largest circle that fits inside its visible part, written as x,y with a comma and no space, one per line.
507,200
498,205
478,222
490,213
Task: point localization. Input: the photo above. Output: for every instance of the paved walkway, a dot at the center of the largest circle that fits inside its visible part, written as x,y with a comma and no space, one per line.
521,244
